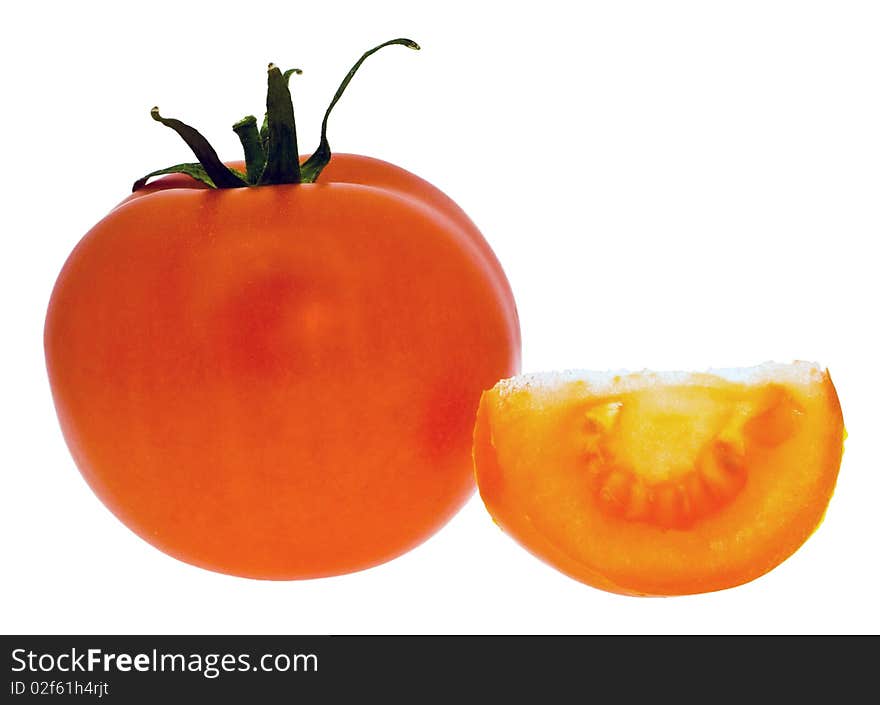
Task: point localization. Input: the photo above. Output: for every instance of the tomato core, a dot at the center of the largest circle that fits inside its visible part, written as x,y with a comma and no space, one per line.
673,456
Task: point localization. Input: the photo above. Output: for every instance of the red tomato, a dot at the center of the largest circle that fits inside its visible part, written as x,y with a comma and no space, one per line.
281,380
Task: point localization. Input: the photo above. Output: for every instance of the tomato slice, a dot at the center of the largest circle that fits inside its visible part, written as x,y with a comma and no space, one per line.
661,483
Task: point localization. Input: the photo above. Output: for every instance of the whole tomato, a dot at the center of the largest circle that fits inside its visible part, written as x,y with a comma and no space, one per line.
275,375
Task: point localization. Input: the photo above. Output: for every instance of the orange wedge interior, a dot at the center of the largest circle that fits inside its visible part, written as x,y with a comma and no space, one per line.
661,483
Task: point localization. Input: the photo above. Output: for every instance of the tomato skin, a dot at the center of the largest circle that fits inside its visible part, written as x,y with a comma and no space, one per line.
368,171
279,382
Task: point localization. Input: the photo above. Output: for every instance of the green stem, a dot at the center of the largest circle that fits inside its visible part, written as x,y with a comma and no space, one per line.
220,174
254,155
321,156
282,155
264,127
271,152
196,171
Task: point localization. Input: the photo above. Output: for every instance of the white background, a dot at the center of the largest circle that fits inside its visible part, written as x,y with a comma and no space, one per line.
671,185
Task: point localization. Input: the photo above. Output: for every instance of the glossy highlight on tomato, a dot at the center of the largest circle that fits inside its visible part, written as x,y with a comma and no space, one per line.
661,483
279,380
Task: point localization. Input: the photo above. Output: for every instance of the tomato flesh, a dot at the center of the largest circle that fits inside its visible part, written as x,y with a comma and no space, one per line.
661,484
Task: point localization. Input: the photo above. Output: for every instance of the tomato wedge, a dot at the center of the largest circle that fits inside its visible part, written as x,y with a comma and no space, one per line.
661,483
